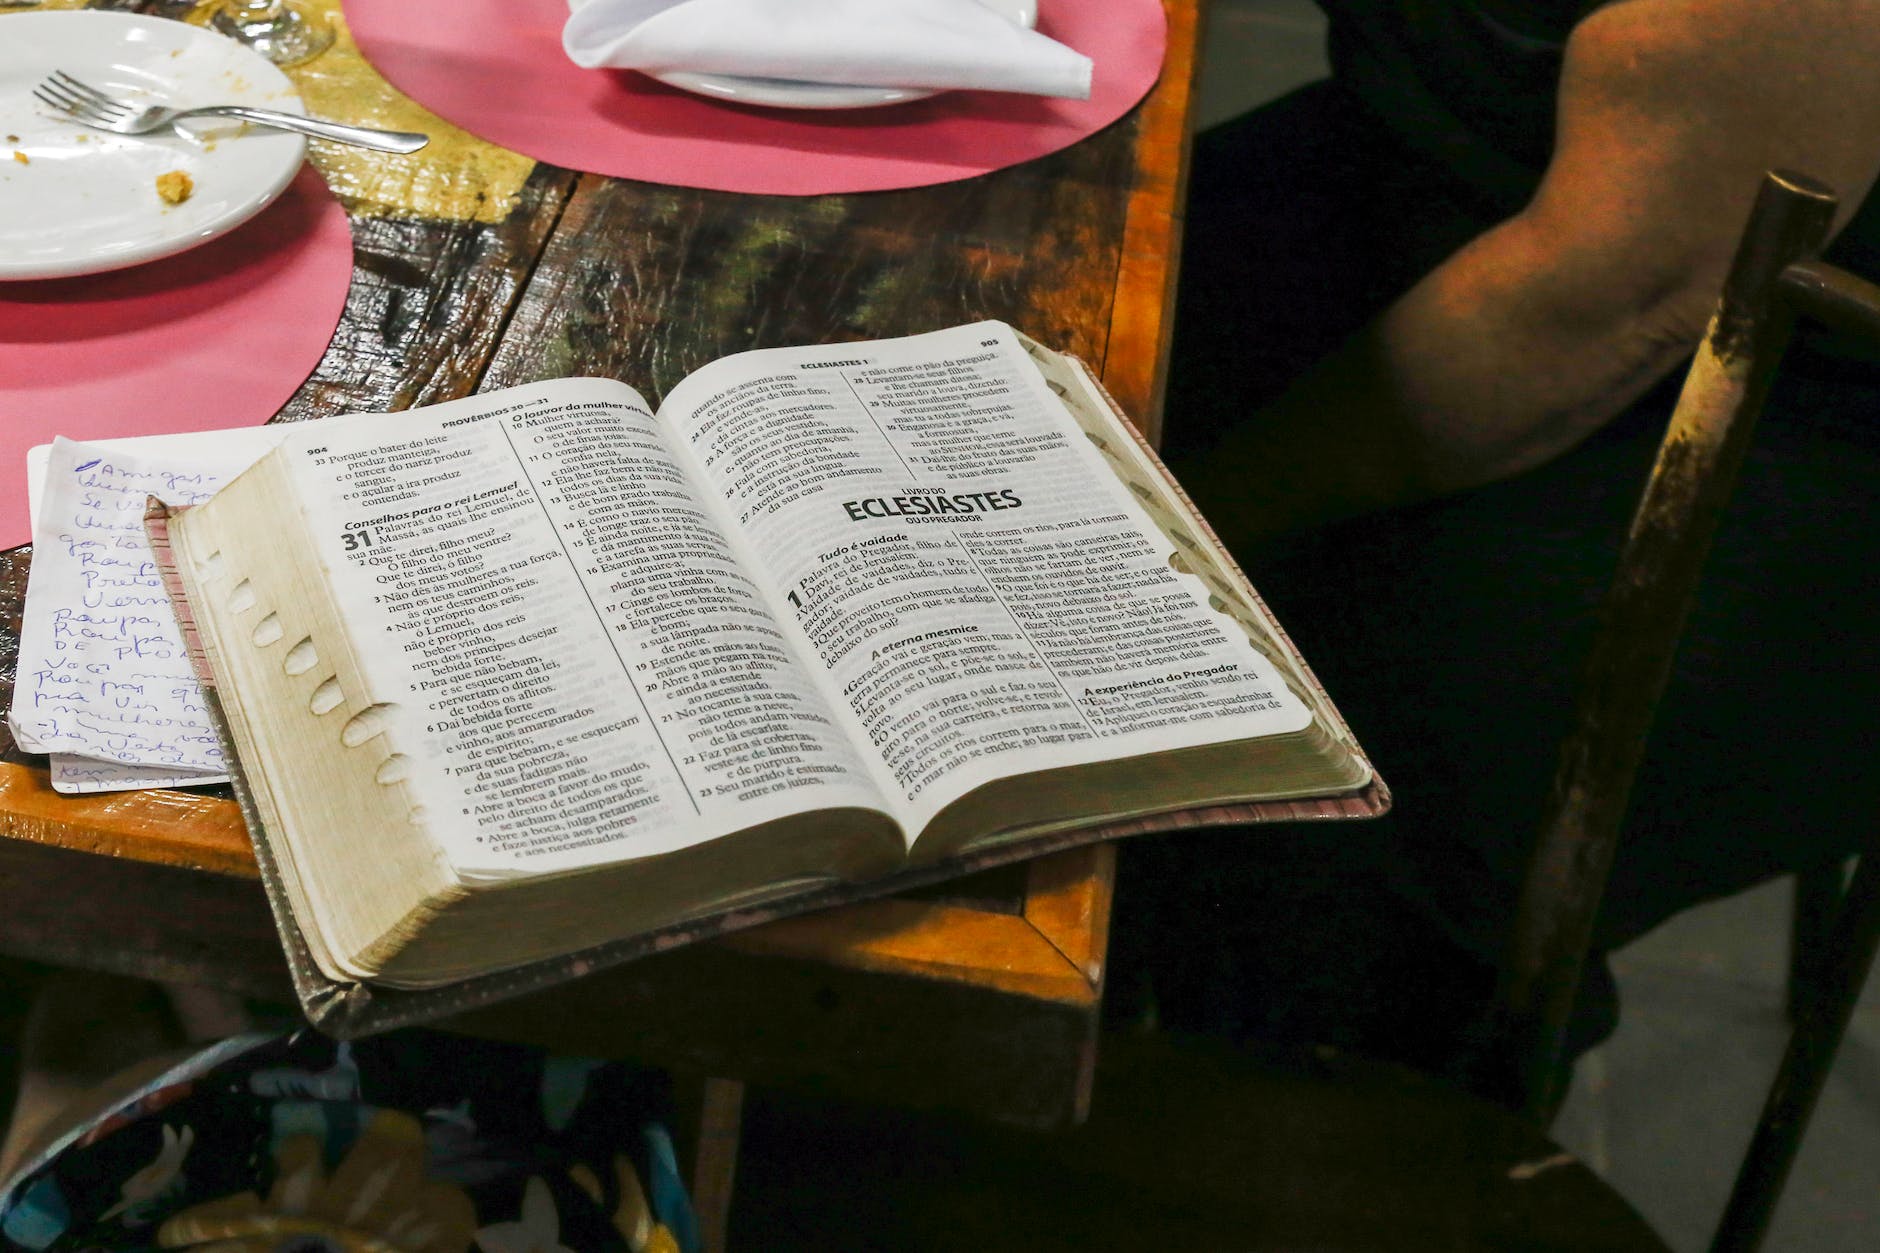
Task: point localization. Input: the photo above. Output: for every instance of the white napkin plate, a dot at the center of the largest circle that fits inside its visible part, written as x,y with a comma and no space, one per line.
785,93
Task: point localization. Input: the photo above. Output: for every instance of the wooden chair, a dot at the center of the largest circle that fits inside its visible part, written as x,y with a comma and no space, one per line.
1777,276
1194,1146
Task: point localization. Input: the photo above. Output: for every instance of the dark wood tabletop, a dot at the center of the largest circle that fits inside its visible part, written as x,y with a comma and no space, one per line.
643,282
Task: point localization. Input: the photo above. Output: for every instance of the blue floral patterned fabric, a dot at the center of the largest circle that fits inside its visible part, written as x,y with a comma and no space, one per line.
413,1142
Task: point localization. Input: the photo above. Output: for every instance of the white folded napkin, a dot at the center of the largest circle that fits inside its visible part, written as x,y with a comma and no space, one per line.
927,44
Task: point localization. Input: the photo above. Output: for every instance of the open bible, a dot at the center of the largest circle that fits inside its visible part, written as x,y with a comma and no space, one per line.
540,670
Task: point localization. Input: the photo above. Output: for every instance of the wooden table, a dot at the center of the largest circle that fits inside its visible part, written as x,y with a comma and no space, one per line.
985,999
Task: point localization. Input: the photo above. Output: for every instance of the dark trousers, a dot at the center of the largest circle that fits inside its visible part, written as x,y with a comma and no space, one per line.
1451,635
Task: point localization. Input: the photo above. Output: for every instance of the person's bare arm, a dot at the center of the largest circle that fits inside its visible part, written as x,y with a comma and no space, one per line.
1547,326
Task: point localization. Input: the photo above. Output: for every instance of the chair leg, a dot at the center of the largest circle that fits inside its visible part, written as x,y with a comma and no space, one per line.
714,1170
1817,894
1812,1046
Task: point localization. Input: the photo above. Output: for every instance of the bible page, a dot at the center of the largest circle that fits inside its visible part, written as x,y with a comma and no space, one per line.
561,638
985,598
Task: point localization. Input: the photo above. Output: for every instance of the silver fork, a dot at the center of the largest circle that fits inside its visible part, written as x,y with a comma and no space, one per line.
107,113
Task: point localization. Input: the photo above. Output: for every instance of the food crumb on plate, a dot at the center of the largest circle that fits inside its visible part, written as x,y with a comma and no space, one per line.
175,186
21,157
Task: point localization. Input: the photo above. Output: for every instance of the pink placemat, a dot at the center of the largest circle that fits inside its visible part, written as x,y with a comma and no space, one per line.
217,336
496,68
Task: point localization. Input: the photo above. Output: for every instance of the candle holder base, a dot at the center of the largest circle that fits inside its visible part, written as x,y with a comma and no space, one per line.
288,35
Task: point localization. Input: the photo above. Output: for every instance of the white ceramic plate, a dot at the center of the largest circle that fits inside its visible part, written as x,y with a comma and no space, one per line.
81,200
784,93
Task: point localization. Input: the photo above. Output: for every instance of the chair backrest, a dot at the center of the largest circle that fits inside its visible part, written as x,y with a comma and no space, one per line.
1776,276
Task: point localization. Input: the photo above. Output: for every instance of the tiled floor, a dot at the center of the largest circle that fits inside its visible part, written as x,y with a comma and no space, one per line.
1665,1109
1255,50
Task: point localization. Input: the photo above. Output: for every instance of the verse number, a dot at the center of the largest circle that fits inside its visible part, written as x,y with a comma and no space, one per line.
355,540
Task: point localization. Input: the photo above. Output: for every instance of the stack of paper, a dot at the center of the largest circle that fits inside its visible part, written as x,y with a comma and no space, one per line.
104,684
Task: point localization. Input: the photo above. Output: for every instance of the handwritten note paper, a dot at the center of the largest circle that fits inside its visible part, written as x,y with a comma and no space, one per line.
76,774
103,673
